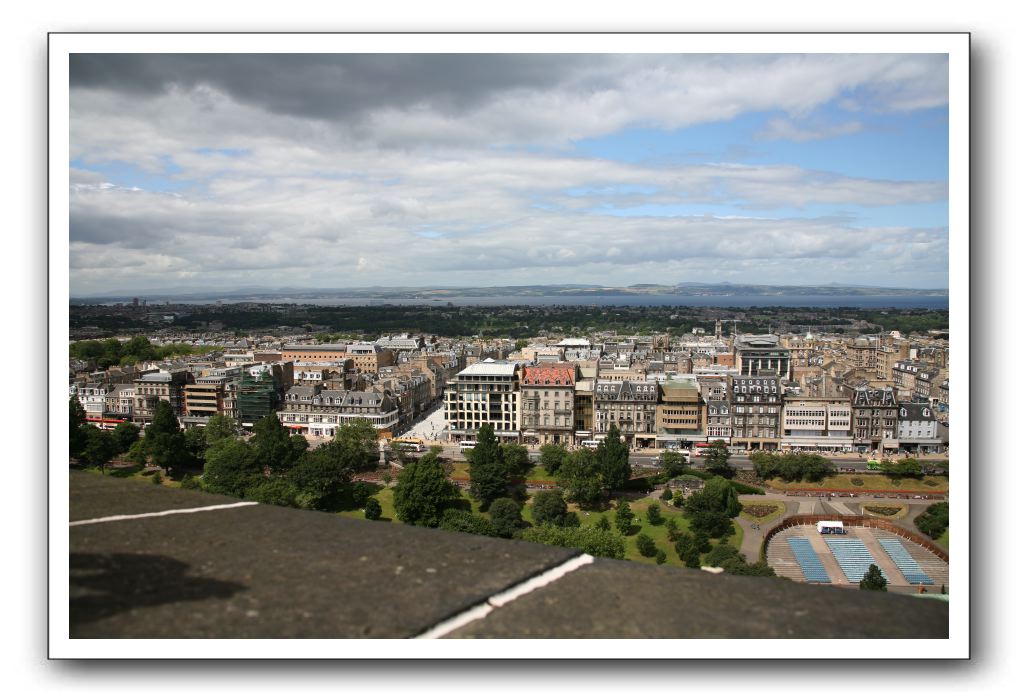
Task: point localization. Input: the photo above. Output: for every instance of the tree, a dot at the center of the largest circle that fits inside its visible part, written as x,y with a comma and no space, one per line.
873,580
219,427
720,553
360,493
613,460
164,441
623,518
319,476
231,468
465,521
645,544
934,520
654,514
273,447
673,529
100,447
589,539
516,459
359,440
372,509
552,457
673,463
194,443
603,524
488,473
710,510
505,517
422,491
272,491
702,542
716,460
686,550
580,478
125,434
548,507
765,465
666,495
79,433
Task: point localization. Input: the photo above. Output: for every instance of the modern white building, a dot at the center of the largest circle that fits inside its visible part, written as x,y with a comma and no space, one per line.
487,392
918,428
816,424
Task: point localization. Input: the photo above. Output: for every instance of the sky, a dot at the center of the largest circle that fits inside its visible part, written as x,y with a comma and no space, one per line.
333,171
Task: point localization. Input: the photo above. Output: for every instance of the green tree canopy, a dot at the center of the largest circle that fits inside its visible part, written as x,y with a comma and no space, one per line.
231,467
613,460
673,464
359,440
79,425
464,521
716,460
273,445
623,518
194,442
126,434
422,491
516,459
164,440
373,509
100,447
580,478
645,544
219,427
488,473
873,580
548,507
552,457
710,510
505,517
589,539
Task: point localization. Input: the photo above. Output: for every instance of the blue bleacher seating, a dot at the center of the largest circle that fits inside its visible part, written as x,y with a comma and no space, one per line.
853,557
905,562
808,560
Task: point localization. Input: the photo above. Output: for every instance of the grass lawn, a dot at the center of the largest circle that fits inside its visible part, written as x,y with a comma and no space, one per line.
902,509
658,533
539,473
135,473
943,540
843,482
767,517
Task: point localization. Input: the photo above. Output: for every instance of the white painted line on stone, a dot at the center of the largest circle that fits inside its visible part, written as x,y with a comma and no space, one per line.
189,510
456,621
508,596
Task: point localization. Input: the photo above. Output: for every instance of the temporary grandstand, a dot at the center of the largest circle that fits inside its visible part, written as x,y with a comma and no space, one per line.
853,557
808,561
905,562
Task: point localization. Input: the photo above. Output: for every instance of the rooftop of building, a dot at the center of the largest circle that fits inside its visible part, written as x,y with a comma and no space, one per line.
490,367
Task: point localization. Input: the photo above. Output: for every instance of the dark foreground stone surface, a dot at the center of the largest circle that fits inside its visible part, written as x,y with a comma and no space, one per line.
94,496
271,572
644,601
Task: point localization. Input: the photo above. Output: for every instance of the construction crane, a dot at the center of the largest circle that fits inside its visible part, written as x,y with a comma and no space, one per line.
736,331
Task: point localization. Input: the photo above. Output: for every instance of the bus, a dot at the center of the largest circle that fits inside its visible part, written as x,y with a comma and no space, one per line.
700,447
591,444
409,444
467,444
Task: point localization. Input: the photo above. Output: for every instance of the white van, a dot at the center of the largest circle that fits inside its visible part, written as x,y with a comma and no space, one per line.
591,444
467,444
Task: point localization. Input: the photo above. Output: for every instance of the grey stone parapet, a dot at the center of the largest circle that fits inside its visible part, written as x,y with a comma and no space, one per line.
197,565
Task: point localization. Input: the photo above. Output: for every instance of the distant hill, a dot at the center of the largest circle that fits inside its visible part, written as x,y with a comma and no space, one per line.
255,294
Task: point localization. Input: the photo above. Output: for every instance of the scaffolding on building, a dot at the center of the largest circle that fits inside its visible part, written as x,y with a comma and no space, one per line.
256,397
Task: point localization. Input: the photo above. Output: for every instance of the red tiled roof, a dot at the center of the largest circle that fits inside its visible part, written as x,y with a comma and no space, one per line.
550,375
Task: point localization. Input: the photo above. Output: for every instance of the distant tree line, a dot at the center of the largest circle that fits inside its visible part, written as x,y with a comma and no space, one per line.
108,352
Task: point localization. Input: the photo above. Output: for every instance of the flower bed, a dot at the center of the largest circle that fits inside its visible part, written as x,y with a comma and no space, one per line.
759,510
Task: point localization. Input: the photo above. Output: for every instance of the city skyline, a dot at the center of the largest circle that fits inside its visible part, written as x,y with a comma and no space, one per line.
337,171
